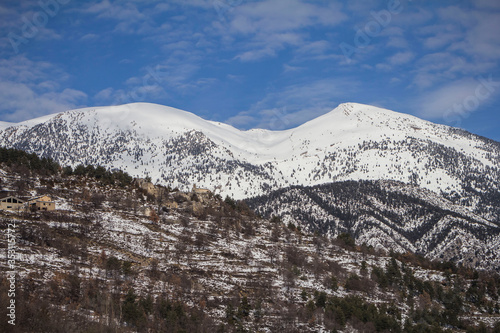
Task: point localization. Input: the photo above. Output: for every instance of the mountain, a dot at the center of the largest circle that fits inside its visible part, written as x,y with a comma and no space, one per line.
352,142
442,183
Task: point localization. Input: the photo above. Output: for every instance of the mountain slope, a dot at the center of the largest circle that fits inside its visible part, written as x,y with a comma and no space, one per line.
115,260
389,215
4,125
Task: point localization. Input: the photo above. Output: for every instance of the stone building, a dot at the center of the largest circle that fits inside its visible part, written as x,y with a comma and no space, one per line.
43,202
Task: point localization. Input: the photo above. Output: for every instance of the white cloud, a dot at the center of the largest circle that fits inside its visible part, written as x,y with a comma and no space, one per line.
362,7
290,69
172,76
315,48
20,102
383,67
23,22
401,58
29,89
265,27
116,11
397,42
204,4
457,99
242,120
441,67
279,16
88,37
130,17
479,37
411,18
111,96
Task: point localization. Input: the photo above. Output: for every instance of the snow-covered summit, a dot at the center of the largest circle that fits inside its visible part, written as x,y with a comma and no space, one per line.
178,148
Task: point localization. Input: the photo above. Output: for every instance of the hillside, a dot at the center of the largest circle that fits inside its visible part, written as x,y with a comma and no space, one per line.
389,215
121,256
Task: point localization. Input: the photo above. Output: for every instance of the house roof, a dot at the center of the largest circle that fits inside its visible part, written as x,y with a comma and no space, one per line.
38,197
23,199
11,196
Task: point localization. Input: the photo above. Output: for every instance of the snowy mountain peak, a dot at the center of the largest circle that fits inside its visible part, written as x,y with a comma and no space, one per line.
178,148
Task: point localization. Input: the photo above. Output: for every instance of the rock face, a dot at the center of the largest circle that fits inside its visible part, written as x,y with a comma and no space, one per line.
148,187
202,195
194,201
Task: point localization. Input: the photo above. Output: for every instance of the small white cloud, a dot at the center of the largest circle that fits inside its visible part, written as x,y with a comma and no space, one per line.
291,69
89,37
272,25
20,102
255,55
383,67
397,42
316,47
104,95
236,78
162,7
401,58
241,120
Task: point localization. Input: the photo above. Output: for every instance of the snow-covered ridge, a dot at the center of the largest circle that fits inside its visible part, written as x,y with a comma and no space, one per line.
178,148
4,124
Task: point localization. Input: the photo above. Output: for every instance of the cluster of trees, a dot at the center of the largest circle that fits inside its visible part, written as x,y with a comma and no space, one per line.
21,159
39,308
100,173
25,162
163,314
364,316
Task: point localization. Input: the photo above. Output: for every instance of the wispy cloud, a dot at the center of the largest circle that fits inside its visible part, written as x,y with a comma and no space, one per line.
295,104
266,27
433,105
453,102
401,58
30,89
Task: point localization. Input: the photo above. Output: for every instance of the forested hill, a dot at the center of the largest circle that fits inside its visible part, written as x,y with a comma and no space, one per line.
135,257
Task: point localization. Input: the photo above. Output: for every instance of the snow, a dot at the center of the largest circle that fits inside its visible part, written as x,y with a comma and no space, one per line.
36,121
4,125
317,152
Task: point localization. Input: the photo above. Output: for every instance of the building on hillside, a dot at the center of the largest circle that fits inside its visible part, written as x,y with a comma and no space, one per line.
200,190
43,202
11,203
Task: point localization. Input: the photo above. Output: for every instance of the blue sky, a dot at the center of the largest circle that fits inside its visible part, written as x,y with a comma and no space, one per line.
271,64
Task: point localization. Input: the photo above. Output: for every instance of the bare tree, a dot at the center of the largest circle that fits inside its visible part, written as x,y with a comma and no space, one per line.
273,253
